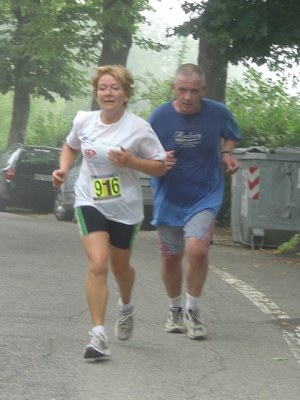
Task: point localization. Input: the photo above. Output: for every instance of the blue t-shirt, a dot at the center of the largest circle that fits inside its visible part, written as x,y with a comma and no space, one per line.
195,183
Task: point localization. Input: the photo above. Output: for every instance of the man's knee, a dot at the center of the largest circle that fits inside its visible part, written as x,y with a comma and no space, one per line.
172,261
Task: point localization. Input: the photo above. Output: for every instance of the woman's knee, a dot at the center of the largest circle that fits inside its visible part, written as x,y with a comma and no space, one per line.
119,270
98,267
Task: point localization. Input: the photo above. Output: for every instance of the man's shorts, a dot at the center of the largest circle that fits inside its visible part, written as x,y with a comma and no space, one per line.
172,238
89,219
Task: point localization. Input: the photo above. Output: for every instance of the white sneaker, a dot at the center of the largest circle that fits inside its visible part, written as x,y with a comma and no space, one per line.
195,328
175,323
124,325
98,346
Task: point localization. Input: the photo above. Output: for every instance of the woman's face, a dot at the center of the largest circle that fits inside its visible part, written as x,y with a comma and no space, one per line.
110,95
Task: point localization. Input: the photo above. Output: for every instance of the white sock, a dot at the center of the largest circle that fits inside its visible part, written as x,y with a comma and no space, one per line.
175,301
98,329
191,303
124,307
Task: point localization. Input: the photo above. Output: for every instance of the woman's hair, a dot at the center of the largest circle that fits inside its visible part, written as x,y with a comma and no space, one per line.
122,76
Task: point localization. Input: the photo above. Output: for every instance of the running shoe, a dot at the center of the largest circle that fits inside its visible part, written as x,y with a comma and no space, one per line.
98,346
175,323
124,325
195,328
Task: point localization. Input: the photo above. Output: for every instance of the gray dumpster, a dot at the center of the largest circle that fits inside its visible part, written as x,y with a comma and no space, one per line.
265,196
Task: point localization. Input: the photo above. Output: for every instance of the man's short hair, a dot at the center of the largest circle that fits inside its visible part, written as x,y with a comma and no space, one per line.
188,70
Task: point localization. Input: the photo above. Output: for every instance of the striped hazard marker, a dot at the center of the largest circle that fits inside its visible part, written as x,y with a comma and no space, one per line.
253,183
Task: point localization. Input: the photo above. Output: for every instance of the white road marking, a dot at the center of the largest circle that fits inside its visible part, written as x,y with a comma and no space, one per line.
292,336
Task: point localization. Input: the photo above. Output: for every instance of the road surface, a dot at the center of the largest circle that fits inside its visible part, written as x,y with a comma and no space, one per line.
250,307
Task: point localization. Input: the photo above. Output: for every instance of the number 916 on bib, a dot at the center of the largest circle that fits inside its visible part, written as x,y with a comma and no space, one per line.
105,188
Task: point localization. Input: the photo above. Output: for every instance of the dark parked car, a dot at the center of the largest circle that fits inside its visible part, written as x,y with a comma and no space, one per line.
26,177
64,199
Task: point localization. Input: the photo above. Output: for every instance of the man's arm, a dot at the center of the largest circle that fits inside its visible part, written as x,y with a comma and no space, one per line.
230,163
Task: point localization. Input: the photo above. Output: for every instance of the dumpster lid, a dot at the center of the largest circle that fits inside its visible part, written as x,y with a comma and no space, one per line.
286,150
263,149
252,149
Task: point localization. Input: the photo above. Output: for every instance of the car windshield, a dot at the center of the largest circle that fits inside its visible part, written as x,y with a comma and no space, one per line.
40,156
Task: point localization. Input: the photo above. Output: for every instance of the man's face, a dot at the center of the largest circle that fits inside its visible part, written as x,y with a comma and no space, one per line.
188,93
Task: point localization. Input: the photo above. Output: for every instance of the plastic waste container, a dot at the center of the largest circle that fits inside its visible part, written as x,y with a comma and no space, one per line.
265,196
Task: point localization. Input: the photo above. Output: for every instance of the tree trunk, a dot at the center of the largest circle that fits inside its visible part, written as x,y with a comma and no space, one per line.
20,116
110,55
21,104
214,64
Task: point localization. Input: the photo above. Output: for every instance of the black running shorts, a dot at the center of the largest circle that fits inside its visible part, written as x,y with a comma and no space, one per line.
89,220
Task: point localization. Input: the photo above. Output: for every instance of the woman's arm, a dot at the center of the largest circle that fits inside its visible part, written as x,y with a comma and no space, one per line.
122,158
66,161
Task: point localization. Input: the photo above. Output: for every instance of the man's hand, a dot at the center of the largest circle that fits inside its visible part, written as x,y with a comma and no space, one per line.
230,164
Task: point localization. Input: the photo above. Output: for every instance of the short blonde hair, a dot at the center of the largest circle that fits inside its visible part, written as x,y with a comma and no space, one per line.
122,76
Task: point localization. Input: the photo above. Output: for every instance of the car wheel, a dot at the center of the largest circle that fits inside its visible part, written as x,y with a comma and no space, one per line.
61,214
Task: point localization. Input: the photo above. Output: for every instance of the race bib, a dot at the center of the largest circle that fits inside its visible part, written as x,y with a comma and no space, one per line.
105,188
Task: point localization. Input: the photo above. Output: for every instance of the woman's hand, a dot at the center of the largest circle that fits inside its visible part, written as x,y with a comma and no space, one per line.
123,158
58,178
170,160
120,158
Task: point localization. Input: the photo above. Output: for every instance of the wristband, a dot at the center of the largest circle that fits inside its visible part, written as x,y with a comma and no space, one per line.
225,151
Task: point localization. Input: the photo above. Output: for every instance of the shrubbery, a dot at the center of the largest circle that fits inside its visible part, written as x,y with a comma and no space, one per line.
49,123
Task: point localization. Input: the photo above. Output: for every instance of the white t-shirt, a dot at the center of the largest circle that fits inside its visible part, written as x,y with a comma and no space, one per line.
115,191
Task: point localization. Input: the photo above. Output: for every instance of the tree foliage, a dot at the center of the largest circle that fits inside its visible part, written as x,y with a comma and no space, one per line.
261,31
266,114
152,91
39,47
118,34
38,51
45,47
49,123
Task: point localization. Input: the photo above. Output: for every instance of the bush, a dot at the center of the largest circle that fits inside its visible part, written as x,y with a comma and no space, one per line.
49,123
291,245
266,114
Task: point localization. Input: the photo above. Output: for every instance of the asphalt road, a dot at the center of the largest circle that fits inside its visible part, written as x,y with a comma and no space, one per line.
250,306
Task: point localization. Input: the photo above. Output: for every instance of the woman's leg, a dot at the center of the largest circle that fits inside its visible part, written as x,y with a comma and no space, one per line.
96,246
123,271
124,275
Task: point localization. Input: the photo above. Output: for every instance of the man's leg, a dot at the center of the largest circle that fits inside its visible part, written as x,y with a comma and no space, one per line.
172,276
197,266
198,233
172,273
195,274
172,250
